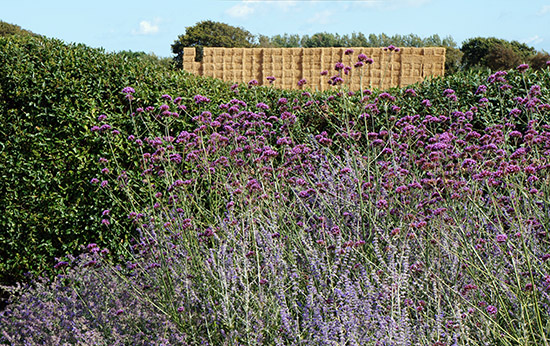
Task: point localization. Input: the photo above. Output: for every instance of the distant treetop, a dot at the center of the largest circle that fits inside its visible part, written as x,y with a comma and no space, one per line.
211,34
7,29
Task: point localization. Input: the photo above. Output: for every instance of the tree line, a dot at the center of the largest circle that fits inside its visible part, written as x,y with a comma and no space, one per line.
475,53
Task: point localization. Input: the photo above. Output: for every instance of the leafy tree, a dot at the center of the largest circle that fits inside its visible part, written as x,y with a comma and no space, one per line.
502,57
538,61
210,34
265,42
12,29
357,40
322,39
286,41
491,52
453,59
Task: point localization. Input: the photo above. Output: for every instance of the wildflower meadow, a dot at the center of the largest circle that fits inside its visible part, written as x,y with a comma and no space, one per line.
413,216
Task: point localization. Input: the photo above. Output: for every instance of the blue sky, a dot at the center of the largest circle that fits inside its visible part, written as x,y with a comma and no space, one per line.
152,26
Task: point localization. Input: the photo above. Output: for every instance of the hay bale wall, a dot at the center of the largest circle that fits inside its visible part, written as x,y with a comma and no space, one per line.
289,65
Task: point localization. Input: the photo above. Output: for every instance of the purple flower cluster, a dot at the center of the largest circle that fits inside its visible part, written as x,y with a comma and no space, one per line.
407,223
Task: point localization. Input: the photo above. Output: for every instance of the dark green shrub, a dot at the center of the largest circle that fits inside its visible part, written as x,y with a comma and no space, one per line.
7,29
485,52
539,60
502,57
50,96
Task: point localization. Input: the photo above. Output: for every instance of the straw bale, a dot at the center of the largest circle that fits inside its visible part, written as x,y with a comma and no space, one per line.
217,72
326,54
316,67
336,55
427,69
317,52
432,59
287,54
236,52
267,56
439,51
287,63
375,82
415,58
258,54
238,59
408,81
428,51
376,73
278,66
238,75
396,66
188,66
207,70
189,51
276,51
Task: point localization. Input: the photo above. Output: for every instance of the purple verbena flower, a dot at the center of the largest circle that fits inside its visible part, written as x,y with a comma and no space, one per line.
522,68
410,92
128,90
492,310
201,99
501,238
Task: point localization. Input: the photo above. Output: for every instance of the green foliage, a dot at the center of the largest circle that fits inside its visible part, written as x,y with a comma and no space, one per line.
210,34
7,29
502,57
453,59
50,96
494,53
323,39
285,41
164,62
538,61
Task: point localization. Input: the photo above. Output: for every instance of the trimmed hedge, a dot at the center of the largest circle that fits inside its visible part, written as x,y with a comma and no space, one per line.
51,94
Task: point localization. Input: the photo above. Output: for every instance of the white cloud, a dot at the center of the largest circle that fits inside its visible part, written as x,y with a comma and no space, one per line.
248,7
533,40
286,5
417,2
147,28
392,4
544,10
240,10
323,17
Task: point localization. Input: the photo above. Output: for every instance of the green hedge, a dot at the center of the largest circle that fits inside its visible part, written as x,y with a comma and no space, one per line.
51,94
